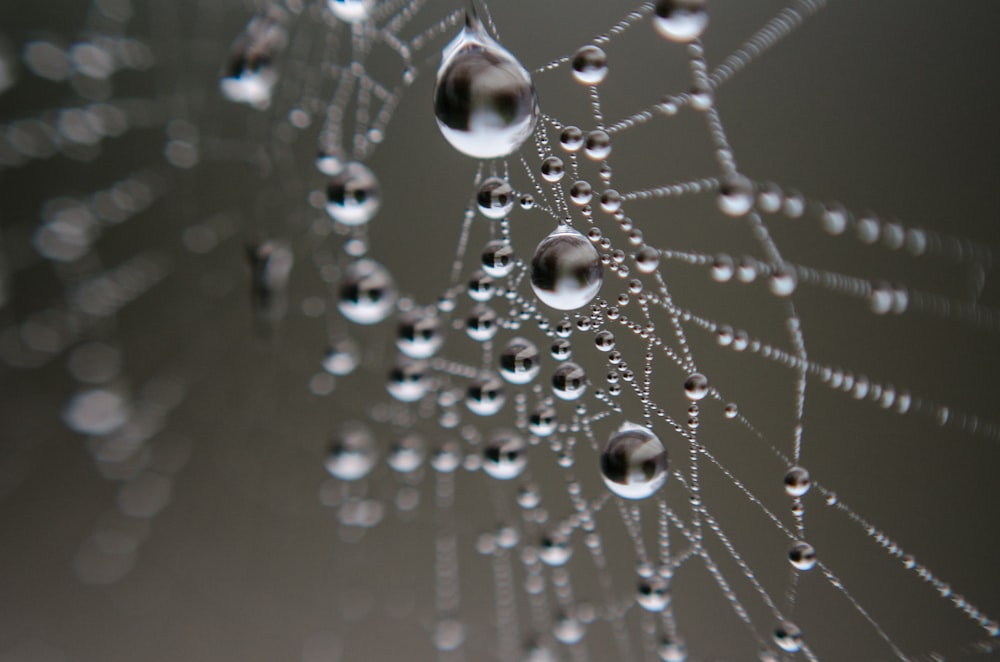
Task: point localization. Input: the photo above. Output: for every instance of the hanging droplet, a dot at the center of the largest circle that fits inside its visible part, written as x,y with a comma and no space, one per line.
672,651
251,74
569,630
653,593
598,145
542,421
329,164
498,258
696,386
351,11
788,636
569,381
571,139
407,455
634,463
566,271
802,556
484,100
797,482
505,456
419,335
555,548
735,195
352,195
590,65
367,293
485,394
552,169
581,192
561,349
342,357
519,362
604,340
408,380
783,281
681,20
481,324
647,259
447,458
495,198
481,287
352,453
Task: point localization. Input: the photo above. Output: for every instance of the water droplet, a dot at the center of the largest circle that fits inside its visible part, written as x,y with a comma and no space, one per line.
569,630
342,357
681,20
481,324
788,637
367,293
495,198
498,258
555,548
731,411
485,394
353,195
672,651
484,99
447,458
519,362
783,281
598,145
481,287
604,340
419,335
505,456
723,268
647,259
329,164
634,463
449,635
696,386
542,421
408,380
552,169
351,11
653,593
802,556
571,139
352,453
797,482
735,195
407,455
569,381
590,65
251,74
566,271
561,349
581,192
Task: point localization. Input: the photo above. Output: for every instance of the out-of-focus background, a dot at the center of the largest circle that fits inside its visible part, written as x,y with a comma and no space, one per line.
162,489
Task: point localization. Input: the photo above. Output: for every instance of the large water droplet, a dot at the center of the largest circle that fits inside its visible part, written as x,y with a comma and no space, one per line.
505,456
681,20
566,271
634,463
367,293
590,65
519,362
495,198
352,195
352,453
653,593
251,74
351,11
484,100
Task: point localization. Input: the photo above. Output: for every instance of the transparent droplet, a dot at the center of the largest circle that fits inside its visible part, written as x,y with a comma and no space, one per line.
408,380
598,145
681,20
569,381
485,394
566,271
571,139
647,259
351,11
802,556
407,455
505,456
672,651
342,357
731,411
419,335
653,593
797,481
723,268
735,195
555,548
581,192
543,421
568,630
495,198
449,635
352,453
783,281
604,340
696,386
447,458
329,164
498,258
552,169
481,287
367,293
634,464
352,195
481,324
519,361
788,637
590,65
484,99
251,73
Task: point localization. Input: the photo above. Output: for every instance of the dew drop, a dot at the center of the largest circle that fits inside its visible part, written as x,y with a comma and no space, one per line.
696,386
481,287
367,293
352,195
542,421
342,358
802,556
408,380
498,258
481,324
735,195
797,482
634,463
598,145
419,334
653,593
604,340
351,11
681,20
571,139
555,548
569,381
519,361
788,637
783,281
581,193
552,169
485,394
495,198
672,651
647,259
484,100
566,271
352,453
505,456
590,65
561,349
407,455
251,74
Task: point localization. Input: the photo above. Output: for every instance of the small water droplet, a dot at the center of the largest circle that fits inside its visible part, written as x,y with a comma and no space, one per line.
681,20
802,556
634,463
485,394
352,453
505,456
419,334
519,361
367,293
498,258
566,271
353,195
797,482
495,198
590,65
351,11
569,381
735,195
788,637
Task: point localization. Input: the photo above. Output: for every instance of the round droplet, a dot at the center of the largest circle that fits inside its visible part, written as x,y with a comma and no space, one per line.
552,169
731,411
696,386
352,453
252,72
367,293
723,268
653,593
407,455
481,287
555,548
598,145
352,195
543,421
408,380
788,636
581,192
498,258
351,11
485,394
590,65
447,458
484,99
519,361
604,340
342,357
495,198
647,259
681,20
566,271
783,281
634,463
571,139
419,335
569,630
672,651
735,194
505,456
481,324
329,164
569,381
561,349
802,556
797,481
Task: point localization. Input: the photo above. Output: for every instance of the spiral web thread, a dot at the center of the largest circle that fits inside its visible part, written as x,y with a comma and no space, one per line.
665,537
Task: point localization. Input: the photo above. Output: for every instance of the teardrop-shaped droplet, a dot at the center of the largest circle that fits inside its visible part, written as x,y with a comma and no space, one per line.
352,453
351,11
566,271
251,74
367,293
505,456
634,463
484,100
352,195
495,198
519,362
681,20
